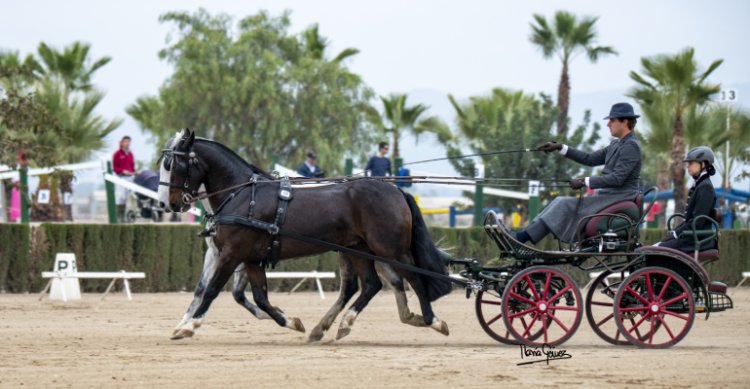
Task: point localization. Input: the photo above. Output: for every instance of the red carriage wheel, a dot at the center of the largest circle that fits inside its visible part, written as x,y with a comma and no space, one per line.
489,315
660,304
600,299
548,299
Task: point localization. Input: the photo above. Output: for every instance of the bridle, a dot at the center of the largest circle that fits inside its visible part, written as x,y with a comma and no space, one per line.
169,156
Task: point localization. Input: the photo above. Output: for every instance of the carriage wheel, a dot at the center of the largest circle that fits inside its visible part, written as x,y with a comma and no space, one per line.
487,306
661,305
548,299
600,312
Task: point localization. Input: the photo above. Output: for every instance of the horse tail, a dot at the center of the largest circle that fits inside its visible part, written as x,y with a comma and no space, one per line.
426,255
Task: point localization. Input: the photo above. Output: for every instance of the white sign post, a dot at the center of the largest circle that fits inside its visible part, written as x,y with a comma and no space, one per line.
65,288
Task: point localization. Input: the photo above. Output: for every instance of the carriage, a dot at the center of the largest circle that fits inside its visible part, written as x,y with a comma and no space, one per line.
642,295
647,296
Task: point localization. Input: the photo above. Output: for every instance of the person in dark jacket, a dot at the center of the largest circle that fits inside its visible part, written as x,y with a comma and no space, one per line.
701,200
379,165
619,180
308,168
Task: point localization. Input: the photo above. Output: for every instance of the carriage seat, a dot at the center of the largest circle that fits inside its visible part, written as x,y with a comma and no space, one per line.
599,224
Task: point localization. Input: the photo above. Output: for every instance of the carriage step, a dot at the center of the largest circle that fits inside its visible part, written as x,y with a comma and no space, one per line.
720,302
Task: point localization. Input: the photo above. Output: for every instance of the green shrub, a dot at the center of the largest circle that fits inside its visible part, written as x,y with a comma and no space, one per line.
172,255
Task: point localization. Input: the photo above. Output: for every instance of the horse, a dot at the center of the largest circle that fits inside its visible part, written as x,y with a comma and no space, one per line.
367,215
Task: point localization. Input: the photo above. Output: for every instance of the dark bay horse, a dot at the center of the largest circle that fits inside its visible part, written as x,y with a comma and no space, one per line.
366,215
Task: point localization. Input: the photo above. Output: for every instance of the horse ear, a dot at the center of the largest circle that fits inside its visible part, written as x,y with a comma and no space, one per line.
191,137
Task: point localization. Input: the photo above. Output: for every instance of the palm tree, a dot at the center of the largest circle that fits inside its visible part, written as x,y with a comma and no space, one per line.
675,83
316,45
399,118
566,37
70,66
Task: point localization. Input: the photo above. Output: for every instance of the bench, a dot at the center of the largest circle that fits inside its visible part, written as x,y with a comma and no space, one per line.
114,276
745,276
304,276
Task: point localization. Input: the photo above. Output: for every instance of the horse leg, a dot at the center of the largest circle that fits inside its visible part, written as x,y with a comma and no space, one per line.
397,283
371,285
348,288
417,283
256,274
216,272
238,292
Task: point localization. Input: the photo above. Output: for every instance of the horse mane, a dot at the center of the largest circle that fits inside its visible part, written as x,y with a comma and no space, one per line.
231,152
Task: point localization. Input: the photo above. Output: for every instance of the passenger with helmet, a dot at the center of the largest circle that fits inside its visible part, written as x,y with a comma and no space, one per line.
701,199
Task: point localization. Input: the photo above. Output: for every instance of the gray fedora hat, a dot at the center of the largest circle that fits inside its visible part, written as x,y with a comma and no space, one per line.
622,110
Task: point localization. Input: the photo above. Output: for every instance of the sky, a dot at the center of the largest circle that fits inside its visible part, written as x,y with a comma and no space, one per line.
425,48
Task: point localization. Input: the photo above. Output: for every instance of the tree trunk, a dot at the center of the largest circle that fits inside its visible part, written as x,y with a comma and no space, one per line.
66,186
396,151
563,100
678,170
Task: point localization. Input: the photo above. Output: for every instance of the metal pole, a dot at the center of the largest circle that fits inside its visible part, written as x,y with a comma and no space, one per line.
110,188
24,189
479,197
726,153
533,199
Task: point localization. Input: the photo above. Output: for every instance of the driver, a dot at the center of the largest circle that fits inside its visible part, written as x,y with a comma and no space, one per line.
618,181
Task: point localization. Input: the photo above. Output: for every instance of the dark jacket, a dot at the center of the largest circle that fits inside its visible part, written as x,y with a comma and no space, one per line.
304,171
622,165
701,200
378,166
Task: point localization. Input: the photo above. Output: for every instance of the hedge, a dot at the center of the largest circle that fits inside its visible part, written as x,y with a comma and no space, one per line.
172,255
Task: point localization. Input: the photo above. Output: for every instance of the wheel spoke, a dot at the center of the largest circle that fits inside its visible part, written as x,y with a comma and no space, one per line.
488,302
664,289
674,299
494,319
556,320
546,286
636,294
666,327
677,315
637,332
651,334
556,308
634,309
526,333
560,293
606,319
649,289
517,314
544,328
530,284
524,299
637,324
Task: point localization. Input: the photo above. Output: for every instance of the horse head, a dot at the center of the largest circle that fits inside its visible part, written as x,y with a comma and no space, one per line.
180,173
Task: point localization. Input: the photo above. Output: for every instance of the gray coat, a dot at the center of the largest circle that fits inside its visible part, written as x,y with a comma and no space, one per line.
619,181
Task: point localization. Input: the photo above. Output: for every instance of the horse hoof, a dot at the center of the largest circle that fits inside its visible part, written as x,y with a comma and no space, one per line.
343,332
443,329
296,324
182,333
316,335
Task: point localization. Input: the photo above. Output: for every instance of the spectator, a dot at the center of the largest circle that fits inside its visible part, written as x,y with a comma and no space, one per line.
379,165
308,168
123,164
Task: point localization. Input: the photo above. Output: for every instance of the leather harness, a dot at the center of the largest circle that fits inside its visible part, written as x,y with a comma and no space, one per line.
273,250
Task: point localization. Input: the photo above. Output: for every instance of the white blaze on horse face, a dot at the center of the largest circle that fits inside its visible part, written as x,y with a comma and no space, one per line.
164,176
